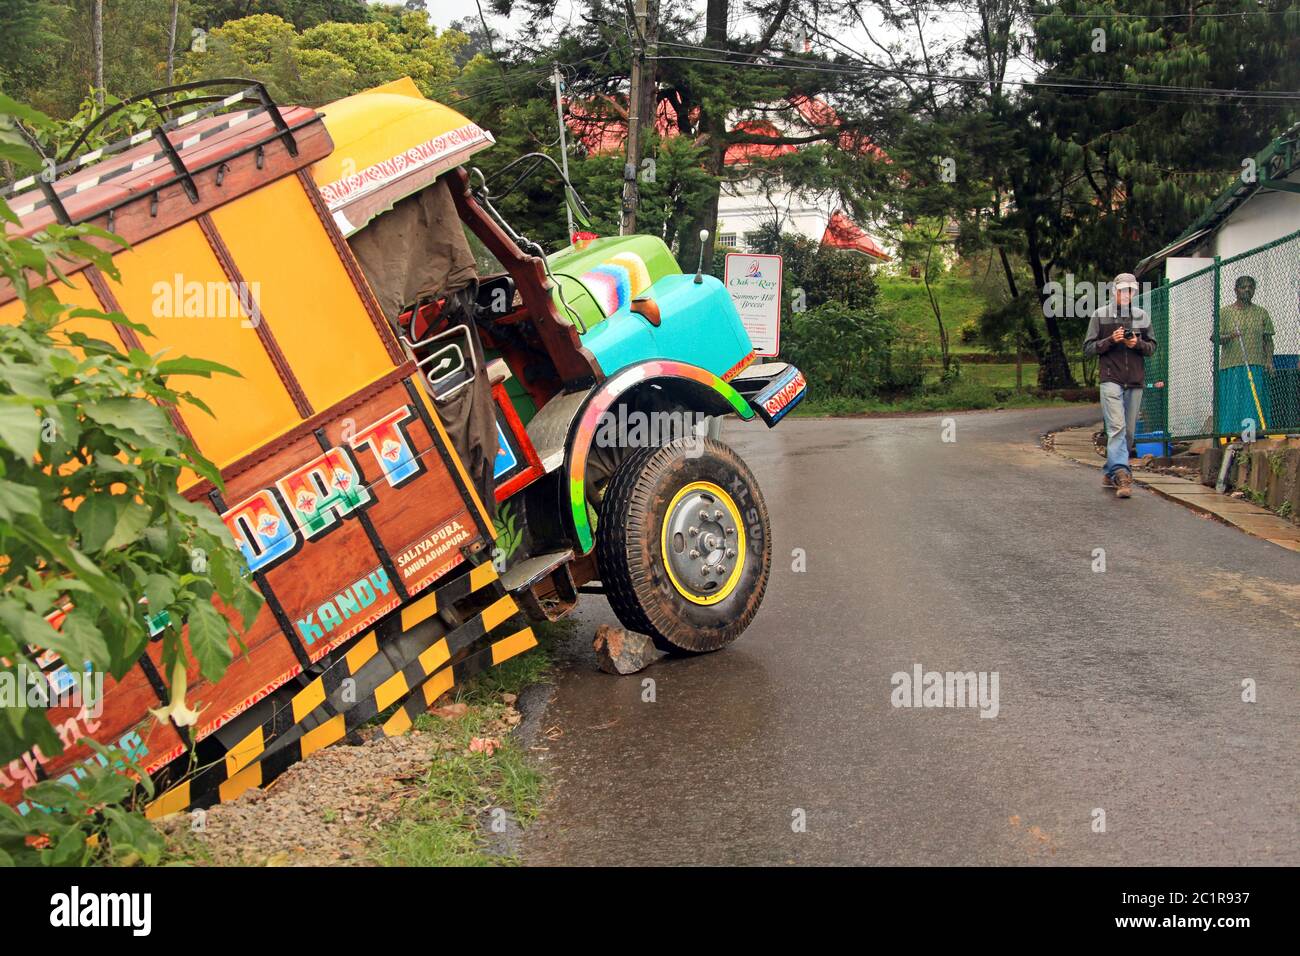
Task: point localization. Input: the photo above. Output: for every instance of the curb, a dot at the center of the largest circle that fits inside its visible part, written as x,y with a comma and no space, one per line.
1075,444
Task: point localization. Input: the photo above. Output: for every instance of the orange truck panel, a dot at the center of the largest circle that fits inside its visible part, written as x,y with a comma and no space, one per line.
341,487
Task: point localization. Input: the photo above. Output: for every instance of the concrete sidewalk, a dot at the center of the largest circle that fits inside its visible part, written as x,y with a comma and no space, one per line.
1076,445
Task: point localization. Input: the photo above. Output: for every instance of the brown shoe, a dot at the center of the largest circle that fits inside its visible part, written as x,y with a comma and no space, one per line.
1106,482
1123,485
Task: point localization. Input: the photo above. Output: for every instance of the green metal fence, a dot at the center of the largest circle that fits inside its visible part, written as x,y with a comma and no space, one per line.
1229,343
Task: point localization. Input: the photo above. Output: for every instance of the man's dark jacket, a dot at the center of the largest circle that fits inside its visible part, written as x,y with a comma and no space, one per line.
1116,361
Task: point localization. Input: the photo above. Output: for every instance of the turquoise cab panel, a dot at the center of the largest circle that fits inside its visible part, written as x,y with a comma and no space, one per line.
699,323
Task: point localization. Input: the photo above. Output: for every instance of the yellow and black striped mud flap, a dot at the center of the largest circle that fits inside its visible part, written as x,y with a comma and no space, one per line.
374,666
328,725
421,698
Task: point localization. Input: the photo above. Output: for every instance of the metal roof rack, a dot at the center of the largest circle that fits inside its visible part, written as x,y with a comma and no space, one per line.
249,91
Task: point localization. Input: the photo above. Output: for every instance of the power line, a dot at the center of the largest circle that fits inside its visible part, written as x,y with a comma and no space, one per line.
499,83
793,63
1135,16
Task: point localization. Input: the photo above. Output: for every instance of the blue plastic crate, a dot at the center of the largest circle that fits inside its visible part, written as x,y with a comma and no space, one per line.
1151,443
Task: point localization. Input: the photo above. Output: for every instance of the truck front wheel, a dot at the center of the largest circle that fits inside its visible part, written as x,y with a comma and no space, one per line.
683,544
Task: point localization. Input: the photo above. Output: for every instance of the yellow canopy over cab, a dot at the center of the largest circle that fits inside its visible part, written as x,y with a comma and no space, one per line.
389,142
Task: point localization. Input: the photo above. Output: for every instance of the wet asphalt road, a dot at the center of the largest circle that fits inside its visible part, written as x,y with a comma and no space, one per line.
1118,691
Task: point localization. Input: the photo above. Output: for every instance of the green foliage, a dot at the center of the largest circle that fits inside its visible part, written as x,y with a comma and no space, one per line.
89,511
55,70
905,299
853,353
831,327
1137,173
1011,326
963,395
301,13
821,273
82,825
56,138
29,42
328,60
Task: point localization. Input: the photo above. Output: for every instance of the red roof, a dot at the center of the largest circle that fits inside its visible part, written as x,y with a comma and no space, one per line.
843,233
738,153
601,126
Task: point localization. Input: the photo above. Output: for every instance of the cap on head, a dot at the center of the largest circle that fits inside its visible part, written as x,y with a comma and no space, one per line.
1126,280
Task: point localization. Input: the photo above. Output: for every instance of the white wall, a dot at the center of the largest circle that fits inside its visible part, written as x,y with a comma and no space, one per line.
1265,216
743,208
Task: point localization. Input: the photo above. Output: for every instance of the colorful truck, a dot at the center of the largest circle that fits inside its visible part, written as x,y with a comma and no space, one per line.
440,430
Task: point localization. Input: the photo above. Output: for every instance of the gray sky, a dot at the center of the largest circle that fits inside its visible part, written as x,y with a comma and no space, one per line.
941,28
443,12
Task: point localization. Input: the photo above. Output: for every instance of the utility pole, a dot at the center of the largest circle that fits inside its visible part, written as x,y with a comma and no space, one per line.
558,77
636,106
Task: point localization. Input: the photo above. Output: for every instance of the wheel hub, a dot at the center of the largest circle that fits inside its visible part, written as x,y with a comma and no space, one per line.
701,531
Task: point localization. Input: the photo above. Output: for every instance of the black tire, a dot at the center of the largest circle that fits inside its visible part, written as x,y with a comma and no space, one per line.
630,533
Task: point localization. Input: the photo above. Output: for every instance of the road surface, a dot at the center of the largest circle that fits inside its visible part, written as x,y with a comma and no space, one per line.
1119,691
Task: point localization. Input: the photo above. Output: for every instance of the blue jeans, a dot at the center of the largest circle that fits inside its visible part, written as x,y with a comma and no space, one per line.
1119,410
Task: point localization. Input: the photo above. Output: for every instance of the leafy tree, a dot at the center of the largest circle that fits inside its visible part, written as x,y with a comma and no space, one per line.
303,14
853,353
329,60
29,42
55,68
736,86
814,274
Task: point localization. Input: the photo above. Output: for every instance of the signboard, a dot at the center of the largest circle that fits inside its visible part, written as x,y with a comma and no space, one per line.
754,282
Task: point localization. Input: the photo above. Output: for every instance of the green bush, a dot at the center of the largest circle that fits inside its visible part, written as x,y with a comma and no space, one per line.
815,275
853,353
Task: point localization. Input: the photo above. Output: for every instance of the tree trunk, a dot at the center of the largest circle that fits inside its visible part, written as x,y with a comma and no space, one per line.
934,307
650,72
97,48
1006,271
713,133
1054,369
171,42
706,217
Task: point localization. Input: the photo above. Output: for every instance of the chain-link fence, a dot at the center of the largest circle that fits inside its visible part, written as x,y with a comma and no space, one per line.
1229,343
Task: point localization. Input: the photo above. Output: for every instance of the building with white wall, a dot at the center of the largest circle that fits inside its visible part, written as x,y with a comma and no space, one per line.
747,205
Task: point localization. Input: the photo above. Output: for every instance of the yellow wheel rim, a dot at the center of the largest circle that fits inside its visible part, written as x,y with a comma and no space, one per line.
702,542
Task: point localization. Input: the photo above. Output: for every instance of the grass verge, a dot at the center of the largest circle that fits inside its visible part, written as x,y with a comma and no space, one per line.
456,791
468,796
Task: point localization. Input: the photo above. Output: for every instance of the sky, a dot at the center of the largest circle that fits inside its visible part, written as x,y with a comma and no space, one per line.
443,12
947,26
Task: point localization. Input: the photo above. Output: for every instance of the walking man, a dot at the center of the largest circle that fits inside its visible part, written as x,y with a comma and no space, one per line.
1119,334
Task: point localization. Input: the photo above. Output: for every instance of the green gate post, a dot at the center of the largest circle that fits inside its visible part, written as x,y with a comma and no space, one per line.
1162,364
1214,405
